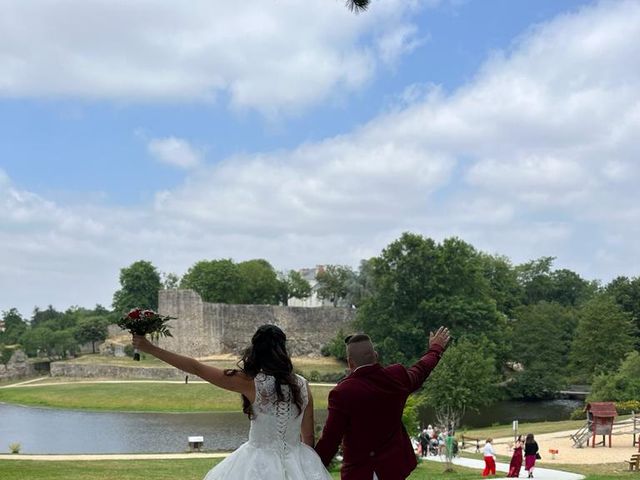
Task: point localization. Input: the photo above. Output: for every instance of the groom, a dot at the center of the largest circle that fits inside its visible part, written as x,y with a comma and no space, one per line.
365,411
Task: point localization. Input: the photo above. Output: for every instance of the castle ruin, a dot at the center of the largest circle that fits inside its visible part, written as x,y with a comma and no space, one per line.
202,329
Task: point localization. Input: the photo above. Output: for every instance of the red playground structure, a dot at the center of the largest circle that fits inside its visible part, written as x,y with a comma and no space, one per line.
600,417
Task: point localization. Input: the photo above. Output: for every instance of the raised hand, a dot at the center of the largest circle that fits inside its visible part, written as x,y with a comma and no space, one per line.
141,343
441,338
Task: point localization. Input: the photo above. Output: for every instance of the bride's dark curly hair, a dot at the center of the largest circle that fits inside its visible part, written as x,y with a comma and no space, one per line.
268,354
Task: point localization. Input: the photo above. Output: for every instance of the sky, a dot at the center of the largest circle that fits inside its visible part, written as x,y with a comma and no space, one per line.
304,134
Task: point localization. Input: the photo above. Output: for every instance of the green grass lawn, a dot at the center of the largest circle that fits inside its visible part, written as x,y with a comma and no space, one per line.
195,469
305,365
160,470
136,397
536,428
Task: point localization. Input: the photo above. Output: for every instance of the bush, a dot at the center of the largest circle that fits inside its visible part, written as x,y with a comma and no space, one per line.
128,350
335,347
578,414
5,354
14,447
625,408
329,377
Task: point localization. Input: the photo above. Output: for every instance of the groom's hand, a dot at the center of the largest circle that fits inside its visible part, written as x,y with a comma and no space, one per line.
441,338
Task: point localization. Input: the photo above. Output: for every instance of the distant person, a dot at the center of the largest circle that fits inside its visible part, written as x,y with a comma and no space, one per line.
425,442
430,431
531,454
365,412
489,459
516,459
442,436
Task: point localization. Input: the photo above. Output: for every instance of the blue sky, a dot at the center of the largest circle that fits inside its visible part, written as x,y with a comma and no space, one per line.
310,136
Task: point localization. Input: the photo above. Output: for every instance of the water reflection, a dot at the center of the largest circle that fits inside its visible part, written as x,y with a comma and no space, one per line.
60,431
509,410
42,430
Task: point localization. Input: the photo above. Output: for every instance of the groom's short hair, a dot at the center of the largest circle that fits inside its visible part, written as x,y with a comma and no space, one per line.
357,337
360,349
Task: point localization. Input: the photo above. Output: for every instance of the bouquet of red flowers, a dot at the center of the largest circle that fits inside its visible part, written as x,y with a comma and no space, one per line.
143,322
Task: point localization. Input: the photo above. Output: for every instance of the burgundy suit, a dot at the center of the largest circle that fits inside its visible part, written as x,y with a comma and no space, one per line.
365,414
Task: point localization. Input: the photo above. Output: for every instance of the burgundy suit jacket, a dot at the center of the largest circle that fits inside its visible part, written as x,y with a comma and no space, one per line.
365,414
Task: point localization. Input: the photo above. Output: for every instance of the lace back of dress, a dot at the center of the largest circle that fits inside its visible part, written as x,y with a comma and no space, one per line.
282,415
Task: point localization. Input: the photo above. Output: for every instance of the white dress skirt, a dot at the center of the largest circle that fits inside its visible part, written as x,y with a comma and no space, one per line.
274,450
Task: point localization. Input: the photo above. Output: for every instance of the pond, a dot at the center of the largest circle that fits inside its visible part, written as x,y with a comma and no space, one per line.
50,431
508,410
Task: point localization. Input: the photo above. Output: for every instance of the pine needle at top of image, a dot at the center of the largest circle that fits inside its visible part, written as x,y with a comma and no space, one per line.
358,6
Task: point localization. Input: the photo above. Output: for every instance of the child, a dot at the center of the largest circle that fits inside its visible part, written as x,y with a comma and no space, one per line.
489,459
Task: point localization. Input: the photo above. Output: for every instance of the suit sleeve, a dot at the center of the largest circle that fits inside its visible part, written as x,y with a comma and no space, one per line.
334,428
419,372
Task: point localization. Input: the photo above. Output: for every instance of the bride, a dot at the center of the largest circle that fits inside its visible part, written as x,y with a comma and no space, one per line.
277,401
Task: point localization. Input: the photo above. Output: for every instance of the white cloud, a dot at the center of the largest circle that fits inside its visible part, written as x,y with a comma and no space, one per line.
400,41
174,151
537,155
274,56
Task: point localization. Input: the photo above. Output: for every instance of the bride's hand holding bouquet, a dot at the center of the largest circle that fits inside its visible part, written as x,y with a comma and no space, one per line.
142,322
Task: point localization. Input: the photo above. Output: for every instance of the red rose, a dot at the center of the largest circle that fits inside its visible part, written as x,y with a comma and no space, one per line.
135,313
148,313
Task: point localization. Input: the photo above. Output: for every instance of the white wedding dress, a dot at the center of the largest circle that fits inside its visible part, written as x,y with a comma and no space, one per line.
274,450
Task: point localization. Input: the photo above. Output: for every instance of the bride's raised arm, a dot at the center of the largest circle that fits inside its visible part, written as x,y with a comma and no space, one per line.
239,383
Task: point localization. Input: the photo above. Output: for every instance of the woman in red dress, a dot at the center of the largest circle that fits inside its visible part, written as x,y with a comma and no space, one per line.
516,459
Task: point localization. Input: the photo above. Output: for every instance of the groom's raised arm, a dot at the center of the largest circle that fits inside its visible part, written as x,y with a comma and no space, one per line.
334,428
419,372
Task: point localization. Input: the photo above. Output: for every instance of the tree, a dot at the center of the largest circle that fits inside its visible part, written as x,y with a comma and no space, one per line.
604,336
258,283
91,329
420,286
139,286
170,281
292,285
361,286
542,335
504,287
570,289
217,281
5,354
535,279
333,283
626,293
41,317
38,340
620,386
540,283
14,327
464,380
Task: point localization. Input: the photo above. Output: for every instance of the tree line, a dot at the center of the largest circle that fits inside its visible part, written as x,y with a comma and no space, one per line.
521,331
525,331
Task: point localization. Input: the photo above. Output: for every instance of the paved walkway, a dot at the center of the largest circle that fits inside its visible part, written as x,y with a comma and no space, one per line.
540,473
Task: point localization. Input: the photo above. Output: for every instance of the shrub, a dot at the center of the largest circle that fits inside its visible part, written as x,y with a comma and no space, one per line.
128,350
335,347
14,447
625,408
329,377
578,414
